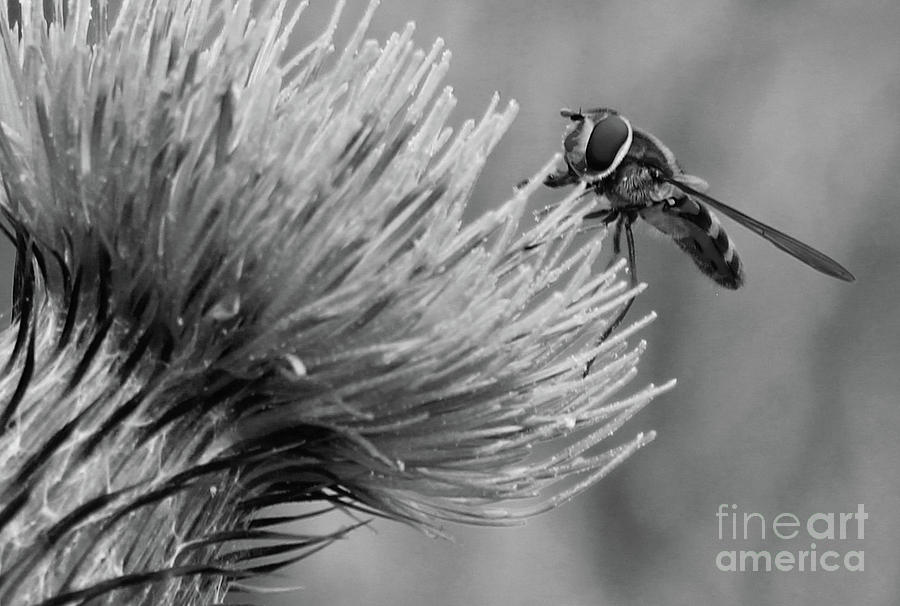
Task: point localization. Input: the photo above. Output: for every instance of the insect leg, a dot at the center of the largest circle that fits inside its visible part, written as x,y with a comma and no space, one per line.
581,231
619,219
560,178
625,221
606,215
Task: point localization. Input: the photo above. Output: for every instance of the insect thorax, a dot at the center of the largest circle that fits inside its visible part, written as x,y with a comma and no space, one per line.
635,185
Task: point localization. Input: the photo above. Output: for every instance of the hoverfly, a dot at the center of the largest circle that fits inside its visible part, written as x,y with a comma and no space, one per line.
639,177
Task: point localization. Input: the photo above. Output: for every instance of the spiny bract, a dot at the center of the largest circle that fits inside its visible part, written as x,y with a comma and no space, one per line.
242,281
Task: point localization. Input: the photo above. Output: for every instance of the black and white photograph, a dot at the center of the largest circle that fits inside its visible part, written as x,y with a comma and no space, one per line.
332,302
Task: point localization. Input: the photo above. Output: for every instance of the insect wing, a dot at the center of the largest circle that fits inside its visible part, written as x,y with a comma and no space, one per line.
797,249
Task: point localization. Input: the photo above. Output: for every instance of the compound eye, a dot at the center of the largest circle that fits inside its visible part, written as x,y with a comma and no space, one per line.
606,142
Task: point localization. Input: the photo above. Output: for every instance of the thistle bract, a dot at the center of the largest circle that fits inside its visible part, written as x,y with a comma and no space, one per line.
242,281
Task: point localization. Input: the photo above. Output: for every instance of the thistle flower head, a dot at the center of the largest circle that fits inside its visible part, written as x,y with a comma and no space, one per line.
243,281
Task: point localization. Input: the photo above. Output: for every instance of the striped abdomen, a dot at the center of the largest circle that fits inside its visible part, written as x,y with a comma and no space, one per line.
698,232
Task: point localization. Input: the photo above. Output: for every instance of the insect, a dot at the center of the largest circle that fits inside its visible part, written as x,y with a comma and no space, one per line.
640,178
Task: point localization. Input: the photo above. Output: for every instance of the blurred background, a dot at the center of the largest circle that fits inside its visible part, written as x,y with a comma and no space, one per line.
788,398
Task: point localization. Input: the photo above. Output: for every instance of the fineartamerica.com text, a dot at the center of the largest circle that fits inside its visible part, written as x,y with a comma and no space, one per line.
794,541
